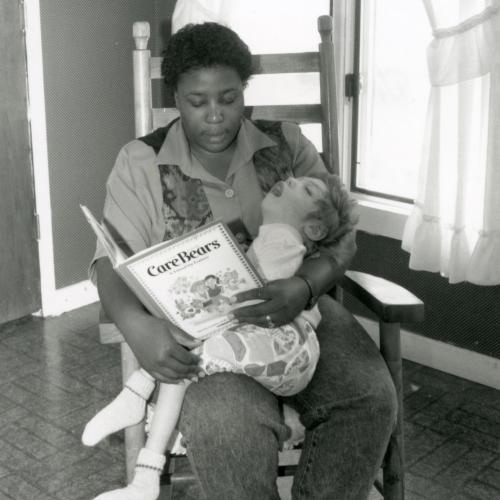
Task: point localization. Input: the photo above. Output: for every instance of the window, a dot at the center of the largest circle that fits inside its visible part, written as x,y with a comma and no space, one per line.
389,111
277,33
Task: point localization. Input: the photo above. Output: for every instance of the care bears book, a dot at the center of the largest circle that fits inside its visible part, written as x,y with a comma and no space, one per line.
188,280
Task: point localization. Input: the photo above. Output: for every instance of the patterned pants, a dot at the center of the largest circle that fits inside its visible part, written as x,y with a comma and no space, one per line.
282,359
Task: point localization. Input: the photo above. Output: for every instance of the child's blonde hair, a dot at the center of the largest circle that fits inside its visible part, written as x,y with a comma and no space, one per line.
336,211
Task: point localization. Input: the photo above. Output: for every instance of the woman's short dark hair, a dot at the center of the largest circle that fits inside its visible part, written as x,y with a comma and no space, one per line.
204,45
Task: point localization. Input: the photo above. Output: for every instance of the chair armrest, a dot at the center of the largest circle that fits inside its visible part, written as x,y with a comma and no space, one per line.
390,302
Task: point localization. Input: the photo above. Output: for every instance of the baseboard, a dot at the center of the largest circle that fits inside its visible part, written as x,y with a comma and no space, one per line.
445,357
68,298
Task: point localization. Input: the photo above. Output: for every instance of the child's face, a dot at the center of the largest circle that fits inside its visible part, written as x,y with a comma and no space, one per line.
294,200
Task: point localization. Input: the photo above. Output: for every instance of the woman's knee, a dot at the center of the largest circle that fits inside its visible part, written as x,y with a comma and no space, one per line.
382,402
226,407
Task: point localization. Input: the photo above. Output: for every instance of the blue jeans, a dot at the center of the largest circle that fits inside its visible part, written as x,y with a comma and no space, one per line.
233,428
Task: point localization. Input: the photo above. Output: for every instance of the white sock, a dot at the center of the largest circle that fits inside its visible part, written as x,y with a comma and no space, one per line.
146,483
128,408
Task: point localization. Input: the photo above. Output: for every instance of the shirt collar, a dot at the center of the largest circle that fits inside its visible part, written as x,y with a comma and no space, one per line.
250,140
175,149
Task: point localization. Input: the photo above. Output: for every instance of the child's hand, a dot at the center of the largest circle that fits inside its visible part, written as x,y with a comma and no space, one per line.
283,300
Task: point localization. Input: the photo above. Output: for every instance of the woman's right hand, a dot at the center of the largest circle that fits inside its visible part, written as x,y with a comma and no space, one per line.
157,343
161,352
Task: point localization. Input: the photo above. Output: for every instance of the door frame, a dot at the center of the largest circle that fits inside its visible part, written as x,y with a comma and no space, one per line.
54,301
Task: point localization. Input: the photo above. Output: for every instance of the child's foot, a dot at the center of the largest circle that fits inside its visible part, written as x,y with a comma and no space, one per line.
128,408
146,483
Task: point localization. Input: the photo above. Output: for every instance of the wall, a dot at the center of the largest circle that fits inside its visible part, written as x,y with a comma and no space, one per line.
87,48
463,314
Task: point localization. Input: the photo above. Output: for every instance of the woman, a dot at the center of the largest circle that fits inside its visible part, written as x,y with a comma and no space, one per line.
215,163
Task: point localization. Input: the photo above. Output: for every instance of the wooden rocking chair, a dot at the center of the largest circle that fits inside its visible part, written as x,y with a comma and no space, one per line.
391,303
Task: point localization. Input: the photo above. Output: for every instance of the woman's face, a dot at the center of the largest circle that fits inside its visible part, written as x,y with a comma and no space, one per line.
210,102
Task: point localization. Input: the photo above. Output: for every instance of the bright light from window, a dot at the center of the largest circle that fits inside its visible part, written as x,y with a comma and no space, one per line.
393,99
286,26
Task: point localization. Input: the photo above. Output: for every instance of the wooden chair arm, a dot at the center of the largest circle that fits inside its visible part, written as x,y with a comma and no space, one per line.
390,302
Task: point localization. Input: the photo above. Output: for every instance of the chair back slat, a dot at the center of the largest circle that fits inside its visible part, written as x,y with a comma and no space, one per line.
300,62
298,113
265,64
162,116
155,68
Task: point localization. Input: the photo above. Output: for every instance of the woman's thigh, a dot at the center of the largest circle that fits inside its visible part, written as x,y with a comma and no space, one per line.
348,409
350,366
233,431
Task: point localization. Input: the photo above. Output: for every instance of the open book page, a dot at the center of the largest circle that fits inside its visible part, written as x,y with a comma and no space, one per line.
113,251
191,279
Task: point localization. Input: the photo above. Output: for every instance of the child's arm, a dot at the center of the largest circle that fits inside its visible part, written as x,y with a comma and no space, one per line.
154,341
327,269
278,257
285,299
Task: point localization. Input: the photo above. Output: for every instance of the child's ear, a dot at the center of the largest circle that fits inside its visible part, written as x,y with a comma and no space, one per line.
315,229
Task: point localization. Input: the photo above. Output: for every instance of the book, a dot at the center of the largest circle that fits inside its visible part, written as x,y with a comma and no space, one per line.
188,280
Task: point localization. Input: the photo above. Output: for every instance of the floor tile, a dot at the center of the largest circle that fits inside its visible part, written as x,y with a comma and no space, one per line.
55,376
20,489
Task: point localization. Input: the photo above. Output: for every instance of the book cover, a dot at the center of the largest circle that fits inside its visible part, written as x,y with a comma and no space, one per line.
188,280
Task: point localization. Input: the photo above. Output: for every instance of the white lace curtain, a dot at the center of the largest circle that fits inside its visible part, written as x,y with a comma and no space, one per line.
454,227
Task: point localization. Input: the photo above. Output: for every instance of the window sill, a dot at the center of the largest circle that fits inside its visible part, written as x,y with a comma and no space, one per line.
382,217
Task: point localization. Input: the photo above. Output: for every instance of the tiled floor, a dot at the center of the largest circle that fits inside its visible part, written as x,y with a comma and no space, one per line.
54,375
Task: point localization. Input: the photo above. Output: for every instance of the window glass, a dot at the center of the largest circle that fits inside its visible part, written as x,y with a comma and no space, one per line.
393,99
277,32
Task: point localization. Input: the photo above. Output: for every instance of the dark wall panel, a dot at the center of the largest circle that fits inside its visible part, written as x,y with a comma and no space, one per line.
87,56
462,314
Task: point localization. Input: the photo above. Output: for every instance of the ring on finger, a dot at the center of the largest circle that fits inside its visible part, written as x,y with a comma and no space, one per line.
270,322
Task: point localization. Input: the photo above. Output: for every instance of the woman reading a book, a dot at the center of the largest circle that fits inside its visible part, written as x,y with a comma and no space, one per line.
213,162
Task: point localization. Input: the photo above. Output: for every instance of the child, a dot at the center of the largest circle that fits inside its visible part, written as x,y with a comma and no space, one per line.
299,215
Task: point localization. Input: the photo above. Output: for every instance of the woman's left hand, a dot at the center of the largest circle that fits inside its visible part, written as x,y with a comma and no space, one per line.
283,300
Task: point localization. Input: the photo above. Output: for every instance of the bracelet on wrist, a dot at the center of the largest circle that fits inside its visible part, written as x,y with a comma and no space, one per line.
313,297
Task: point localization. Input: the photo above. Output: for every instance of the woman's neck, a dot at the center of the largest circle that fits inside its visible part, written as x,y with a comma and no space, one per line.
216,164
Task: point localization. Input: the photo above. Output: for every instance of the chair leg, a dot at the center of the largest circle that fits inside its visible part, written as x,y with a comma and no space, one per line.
167,488
135,436
393,473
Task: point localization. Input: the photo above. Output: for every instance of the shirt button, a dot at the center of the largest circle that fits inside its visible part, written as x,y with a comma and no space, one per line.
240,237
229,193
